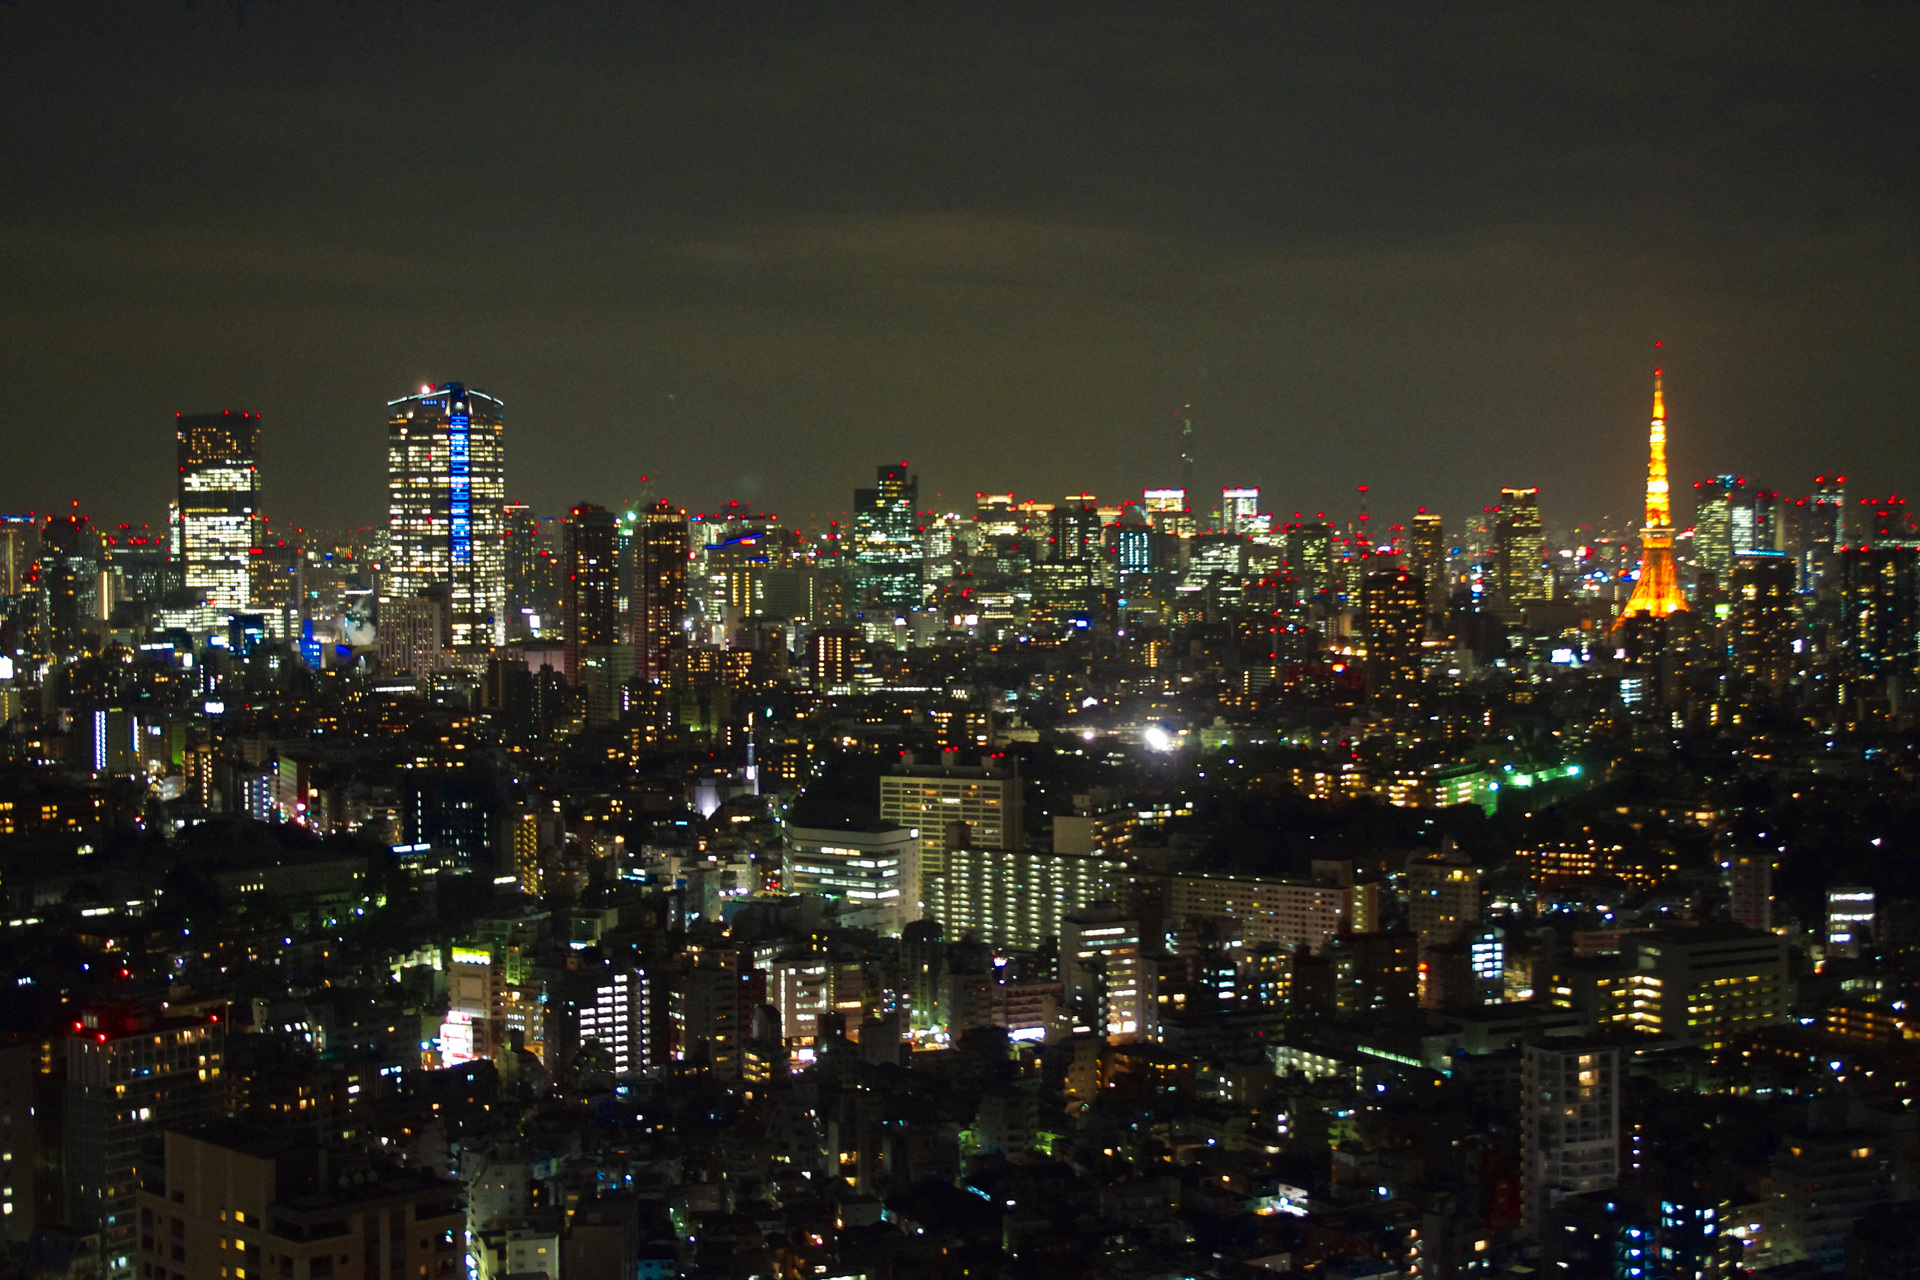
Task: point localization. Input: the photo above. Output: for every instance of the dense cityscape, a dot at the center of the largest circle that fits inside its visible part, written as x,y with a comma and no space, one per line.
1127,885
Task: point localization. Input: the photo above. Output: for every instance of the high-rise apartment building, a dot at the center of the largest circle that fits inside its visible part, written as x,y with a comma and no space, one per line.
1014,899
1520,549
1762,590
932,798
1396,613
130,1078
592,584
887,559
1569,1123
219,504
446,498
659,600
1880,611
614,1014
1290,913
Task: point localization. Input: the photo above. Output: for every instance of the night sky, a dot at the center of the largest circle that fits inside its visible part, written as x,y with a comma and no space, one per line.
751,251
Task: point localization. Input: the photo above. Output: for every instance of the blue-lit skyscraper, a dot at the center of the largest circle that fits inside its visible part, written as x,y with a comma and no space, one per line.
446,491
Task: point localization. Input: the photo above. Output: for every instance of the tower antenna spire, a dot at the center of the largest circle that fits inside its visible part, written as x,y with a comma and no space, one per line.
1658,590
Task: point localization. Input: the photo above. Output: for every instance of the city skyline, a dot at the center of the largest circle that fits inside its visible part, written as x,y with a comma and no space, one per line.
1203,501
1410,282
983,641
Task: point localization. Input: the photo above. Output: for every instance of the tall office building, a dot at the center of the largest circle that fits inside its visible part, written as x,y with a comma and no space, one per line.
1657,591
219,504
1850,917
1707,983
130,1078
1396,613
446,494
874,869
1109,984
887,559
1428,544
1569,1123
1827,523
658,612
1168,513
1762,587
1240,510
1075,531
1520,549
932,798
1310,556
1727,518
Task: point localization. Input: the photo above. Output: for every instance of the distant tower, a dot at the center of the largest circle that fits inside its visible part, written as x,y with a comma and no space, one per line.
1658,591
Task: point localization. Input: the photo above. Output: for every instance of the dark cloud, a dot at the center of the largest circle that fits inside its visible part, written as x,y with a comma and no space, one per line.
751,250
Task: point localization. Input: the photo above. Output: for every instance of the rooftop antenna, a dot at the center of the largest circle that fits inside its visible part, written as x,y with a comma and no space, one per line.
1183,417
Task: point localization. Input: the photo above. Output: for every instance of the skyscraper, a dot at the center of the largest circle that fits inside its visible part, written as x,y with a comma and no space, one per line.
1396,623
1762,590
1428,544
1239,510
1520,548
1657,593
887,556
536,598
446,497
1880,611
1728,518
219,500
659,608
592,588
1828,523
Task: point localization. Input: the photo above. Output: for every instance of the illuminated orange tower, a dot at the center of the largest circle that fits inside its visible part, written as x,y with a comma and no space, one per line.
1658,591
